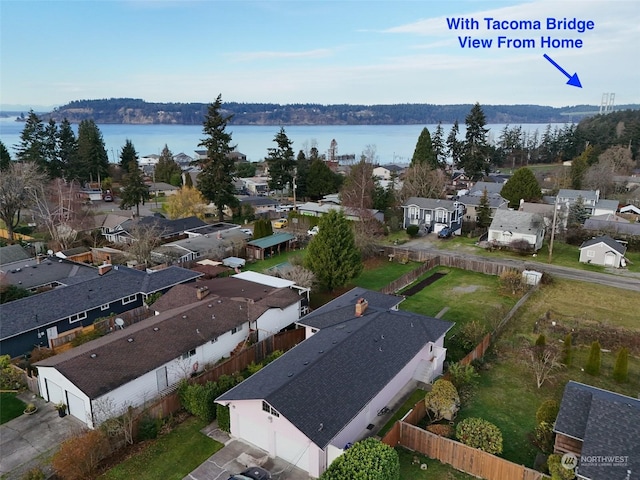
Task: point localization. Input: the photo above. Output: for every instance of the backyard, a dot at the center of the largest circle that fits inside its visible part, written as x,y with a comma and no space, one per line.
10,406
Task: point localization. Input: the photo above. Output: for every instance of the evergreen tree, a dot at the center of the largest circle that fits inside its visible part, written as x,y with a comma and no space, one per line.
594,361
67,148
302,175
621,368
523,185
324,180
484,211
5,158
92,161
281,162
424,152
262,228
134,191
475,151
188,181
567,350
128,154
578,213
31,147
454,146
216,179
166,168
439,146
579,167
332,255
51,150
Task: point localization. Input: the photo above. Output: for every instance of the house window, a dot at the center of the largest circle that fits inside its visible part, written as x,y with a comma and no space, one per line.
414,212
236,329
591,253
314,330
104,307
77,317
214,340
129,299
269,409
189,354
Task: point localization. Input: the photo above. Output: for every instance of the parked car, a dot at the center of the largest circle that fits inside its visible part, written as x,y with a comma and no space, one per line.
313,231
253,473
247,231
446,232
107,197
281,223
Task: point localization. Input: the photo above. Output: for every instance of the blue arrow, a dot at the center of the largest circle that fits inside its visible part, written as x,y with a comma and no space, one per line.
573,79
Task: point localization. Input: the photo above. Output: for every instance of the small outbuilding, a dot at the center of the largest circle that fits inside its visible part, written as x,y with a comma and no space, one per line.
604,251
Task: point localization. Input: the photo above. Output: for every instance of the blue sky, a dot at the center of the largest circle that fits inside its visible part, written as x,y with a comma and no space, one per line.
303,51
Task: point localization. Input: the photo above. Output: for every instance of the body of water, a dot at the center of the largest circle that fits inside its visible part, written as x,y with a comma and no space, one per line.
393,143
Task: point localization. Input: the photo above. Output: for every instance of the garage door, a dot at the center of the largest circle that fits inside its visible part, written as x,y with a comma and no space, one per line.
608,259
55,392
76,407
296,453
254,432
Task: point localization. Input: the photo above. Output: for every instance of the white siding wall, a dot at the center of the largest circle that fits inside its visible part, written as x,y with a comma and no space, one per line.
275,319
50,374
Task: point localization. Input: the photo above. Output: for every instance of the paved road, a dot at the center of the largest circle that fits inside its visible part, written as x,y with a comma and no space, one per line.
618,279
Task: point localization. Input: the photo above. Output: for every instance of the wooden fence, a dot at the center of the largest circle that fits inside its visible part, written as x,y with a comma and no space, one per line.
477,352
410,277
470,460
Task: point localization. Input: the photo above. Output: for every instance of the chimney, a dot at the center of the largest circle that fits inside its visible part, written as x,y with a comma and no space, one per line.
202,292
38,259
102,269
361,306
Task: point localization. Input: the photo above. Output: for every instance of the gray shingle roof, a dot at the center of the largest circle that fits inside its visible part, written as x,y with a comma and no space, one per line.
516,221
35,311
166,227
430,203
325,381
492,189
609,425
12,253
30,273
608,241
494,202
620,228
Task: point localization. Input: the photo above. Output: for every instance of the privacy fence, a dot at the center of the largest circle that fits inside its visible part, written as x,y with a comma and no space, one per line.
475,462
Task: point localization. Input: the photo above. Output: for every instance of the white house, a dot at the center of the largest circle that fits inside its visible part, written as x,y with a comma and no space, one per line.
307,405
509,226
198,325
604,251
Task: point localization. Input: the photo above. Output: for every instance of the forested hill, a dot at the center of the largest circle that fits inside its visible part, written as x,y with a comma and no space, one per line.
137,111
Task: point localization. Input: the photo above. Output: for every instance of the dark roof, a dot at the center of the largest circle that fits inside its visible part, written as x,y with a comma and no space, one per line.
620,228
325,381
325,315
12,253
33,273
608,241
608,424
166,227
494,202
37,311
257,201
271,240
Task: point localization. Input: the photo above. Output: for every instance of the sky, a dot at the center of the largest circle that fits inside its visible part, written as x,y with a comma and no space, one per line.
305,51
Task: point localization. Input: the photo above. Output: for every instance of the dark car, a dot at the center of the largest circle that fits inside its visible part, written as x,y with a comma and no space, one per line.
446,232
253,473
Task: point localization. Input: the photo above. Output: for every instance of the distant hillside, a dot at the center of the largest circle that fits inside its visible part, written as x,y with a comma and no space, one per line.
137,111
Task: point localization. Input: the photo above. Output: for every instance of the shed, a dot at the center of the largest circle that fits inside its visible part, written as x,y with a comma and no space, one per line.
264,247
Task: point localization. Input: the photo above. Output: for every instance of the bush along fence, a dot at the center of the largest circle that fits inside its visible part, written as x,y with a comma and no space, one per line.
467,459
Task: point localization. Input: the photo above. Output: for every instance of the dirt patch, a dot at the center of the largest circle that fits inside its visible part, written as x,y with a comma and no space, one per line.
465,289
424,283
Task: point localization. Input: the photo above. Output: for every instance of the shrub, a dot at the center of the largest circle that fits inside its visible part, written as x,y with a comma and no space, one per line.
441,430
10,378
442,401
34,474
544,437
470,335
368,459
412,230
594,361
511,281
557,471
621,368
547,412
254,368
462,376
79,456
567,350
224,418
148,428
521,247
84,337
198,400
481,434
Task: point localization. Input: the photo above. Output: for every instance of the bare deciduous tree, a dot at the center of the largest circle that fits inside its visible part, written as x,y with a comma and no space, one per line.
144,238
15,186
116,421
421,180
303,277
613,161
542,360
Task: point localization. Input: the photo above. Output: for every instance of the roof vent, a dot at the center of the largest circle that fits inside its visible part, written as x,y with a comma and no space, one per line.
129,339
184,316
306,362
155,329
290,374
93,355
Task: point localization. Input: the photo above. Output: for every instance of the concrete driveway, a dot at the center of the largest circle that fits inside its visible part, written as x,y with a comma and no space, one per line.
225,462
28,441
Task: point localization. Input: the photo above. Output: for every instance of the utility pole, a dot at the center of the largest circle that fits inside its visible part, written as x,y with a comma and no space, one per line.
553,228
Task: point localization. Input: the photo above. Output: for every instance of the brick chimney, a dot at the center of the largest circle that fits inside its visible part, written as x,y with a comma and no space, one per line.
202,292
361,306
102,269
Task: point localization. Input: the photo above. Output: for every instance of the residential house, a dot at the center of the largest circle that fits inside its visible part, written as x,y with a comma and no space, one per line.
315,209
472,202
509,226
38,319
433,214
612,225
149,160
325,393
602,429
591,200
162,189
111,227
603,251
45,272
493,189
167,229
229,241
182,159
13,253
632,209
386,172
256,185
265,247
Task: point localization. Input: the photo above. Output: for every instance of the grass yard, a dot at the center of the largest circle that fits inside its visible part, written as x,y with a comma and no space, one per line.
172,456
10,406
379,272
435,470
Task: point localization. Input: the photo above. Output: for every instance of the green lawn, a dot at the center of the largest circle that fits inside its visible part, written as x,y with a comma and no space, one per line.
172,456
402,411
10,407
379,273
435,470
